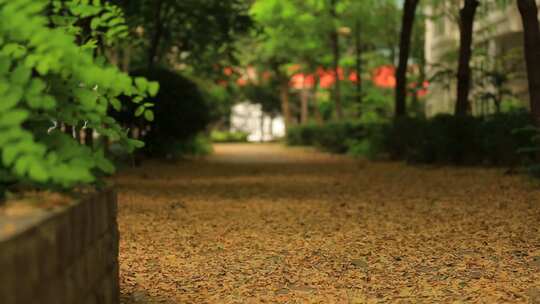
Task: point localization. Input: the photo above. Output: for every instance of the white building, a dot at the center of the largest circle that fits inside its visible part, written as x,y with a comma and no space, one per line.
498,30
249,118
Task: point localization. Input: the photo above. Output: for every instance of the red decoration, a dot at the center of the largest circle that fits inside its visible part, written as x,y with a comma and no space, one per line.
228,71
385,77
241,82
353,77
302,81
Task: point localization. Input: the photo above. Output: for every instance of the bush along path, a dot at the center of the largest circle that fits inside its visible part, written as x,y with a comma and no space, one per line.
267,224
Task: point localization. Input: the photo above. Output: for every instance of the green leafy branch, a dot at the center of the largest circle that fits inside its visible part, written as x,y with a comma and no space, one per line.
45,75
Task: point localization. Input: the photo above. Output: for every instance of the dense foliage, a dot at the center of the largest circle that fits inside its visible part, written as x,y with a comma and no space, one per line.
228,136
180,113
198,34
443,139
51,75
319,39
460,140
333,136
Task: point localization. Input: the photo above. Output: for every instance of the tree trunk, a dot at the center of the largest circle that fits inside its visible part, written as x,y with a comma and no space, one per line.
304,103
392,55
358,41
89,137
68,129
315,103
334,38
285,106
77,135
531,33
466,24
126,57
409,12
112,55
156,37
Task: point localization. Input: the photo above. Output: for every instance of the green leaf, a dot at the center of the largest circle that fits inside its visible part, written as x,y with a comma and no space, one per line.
153,88
95,23
22,165
10,154
36,87
149,115
141,83
14,134
135,143
37,172
105,165
138,143
5,64
116,104
86,97
11,98
139,111
14,117
21,75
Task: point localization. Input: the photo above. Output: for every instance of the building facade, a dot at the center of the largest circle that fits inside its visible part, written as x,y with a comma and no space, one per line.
249,118
497,48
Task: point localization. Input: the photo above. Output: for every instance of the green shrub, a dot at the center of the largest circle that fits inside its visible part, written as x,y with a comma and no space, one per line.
180,113
228,136
443,139
371,144
530,152
451,139
335,136
46,78
405,137
500,140
199,145
303,135
332,137
458,140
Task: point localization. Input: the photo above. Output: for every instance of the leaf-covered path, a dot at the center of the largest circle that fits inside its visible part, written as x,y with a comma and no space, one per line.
267,224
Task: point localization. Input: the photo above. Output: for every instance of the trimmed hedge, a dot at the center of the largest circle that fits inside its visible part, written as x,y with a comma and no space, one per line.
460,140
443,139
333,137
228,136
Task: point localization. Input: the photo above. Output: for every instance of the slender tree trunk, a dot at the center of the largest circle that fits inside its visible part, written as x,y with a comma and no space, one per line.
531,32
304,103
126,57
409,12
334,38
89,137
466,24
285,106
358,43
77,135
156,37
392,55
68,129
113,55
315,103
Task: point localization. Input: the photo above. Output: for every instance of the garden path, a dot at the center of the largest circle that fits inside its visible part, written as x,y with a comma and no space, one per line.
263,223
